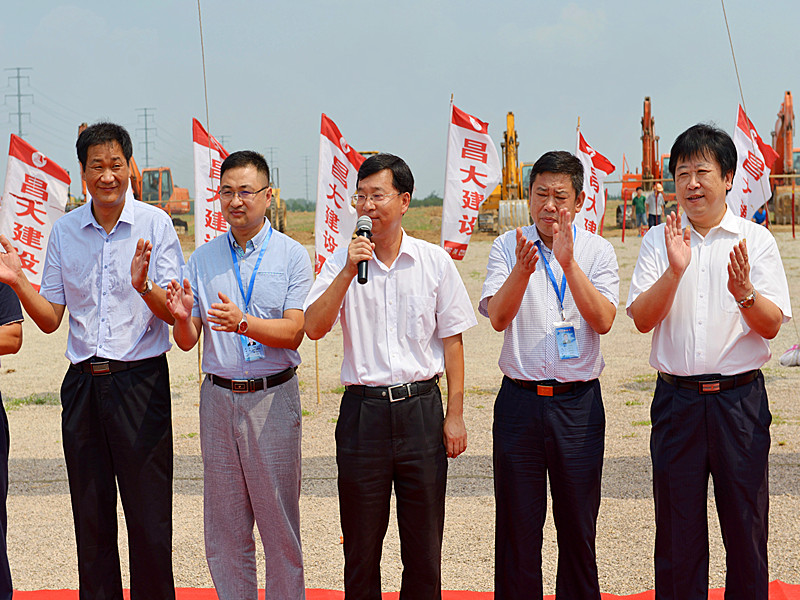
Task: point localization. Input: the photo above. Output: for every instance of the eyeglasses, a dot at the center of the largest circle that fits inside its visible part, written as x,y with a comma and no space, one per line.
228,195
377,199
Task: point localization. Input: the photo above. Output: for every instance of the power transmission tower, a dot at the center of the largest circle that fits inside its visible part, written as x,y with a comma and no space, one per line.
221,139
271,151
306,161
19,95
147,130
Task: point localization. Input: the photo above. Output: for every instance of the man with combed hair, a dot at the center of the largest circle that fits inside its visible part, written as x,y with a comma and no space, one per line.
402,330
116,419
713,294
552,289
245,291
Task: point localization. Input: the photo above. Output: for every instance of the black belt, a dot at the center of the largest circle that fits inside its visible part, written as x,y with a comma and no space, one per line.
102,366
242,386
710,384
395,392
548,388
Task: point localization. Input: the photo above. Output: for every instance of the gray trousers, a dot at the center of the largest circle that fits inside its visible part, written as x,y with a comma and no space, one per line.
251,467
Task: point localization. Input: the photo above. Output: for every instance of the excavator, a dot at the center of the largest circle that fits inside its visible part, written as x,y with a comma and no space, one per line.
655,169
788,163
506,208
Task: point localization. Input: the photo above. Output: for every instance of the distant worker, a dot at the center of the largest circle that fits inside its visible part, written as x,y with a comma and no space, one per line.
245,292
10,343
713,294
655,206
116,419
402,329
760,216
552,289
639,204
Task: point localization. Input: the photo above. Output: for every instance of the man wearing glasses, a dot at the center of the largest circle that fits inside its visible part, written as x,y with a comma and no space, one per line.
245,291
402,329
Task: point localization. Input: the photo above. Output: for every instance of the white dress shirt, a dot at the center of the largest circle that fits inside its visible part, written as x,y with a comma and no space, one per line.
89,271
704,331
529,344
394,324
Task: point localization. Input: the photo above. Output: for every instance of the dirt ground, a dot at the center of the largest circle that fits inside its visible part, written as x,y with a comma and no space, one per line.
40,531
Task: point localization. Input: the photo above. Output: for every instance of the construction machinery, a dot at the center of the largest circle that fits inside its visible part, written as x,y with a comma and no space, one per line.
506,208
277,208
654,170
787,163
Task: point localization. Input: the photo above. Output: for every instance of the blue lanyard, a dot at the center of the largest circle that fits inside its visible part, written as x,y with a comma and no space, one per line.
560,293
249,295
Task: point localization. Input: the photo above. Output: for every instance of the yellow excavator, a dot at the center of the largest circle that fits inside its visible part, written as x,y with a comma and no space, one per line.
506,207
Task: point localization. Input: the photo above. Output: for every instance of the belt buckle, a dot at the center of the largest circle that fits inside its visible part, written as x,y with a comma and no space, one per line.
398,386
240,386
102,367
709,387
544,390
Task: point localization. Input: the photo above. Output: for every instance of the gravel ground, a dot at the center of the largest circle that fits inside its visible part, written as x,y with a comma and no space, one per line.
40,532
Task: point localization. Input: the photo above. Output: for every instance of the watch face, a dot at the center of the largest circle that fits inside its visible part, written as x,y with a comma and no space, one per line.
243,326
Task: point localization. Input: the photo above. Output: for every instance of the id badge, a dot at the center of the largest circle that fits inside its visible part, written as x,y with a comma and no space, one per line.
565,340
253,350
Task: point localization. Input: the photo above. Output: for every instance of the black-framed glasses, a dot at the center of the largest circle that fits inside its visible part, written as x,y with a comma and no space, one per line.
377,199
228,195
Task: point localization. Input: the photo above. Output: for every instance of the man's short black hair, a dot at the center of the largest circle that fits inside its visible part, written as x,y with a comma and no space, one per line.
559,161
707,141
245,158
103,133
639,188
402,179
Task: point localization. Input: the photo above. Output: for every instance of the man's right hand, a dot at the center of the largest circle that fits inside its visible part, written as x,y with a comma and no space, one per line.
527,255
360,248
180,300
10,265
679,248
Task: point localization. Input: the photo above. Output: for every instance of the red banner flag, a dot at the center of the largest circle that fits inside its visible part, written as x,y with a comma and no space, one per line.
596,168
208,157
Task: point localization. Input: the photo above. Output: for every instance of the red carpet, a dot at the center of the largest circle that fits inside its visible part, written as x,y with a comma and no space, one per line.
777,591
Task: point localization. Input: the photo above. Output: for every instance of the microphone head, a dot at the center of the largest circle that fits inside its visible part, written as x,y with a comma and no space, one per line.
364,223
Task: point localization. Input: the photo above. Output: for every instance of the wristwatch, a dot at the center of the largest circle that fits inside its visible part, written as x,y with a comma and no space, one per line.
148,287
748,300
242,328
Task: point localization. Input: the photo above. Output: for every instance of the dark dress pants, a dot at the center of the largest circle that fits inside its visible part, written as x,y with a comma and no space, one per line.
562,436
5,571
727,435
117,430
379,443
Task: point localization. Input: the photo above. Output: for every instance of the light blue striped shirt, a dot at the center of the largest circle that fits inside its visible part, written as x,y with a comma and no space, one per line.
89,272
282,282
529,346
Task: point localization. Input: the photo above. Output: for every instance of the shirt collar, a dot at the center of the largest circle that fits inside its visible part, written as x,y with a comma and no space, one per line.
728,223
126,216
253,242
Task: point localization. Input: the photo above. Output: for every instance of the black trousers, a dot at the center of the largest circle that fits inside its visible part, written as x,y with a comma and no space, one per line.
562,436
380,443
117,430
5,571
726,435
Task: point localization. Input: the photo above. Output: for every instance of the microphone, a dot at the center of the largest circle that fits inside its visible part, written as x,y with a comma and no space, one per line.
363,228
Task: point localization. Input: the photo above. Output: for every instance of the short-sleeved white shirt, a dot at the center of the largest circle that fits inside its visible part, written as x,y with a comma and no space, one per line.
704,331
529,344
394,324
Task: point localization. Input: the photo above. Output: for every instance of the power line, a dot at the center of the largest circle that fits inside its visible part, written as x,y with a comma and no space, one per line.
19,95
147,128
306,161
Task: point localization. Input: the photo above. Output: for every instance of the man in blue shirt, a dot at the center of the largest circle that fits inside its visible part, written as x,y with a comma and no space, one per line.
116,423
245,291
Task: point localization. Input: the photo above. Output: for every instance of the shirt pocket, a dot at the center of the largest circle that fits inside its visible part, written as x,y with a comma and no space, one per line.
420,317
269,295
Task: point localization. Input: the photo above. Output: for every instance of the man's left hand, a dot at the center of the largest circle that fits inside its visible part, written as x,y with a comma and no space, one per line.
140,264
224,315
562,238
455,435
739,272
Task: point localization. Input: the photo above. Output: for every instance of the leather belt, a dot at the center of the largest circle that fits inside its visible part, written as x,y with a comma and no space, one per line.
104,366
548,389
394,392
244,386
710,384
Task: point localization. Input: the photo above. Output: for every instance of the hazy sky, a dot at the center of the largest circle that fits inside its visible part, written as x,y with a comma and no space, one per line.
384,72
